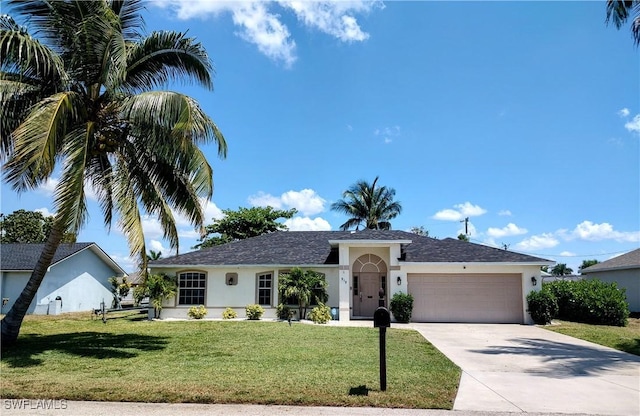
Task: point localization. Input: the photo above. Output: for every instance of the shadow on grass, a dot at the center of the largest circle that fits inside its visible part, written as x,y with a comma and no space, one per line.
359,391
631,346
82,344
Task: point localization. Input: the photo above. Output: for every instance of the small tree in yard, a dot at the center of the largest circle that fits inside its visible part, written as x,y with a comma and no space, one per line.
402,307
305,287
119,288
160,287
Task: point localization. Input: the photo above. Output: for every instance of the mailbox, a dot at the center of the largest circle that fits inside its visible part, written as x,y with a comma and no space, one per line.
381,318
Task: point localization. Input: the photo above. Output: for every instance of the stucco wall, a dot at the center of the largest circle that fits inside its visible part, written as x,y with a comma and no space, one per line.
628,279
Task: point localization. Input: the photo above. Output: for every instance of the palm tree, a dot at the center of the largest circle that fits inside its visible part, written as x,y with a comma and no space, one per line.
618,11
305,287
154,255
364,202
80,95
561,269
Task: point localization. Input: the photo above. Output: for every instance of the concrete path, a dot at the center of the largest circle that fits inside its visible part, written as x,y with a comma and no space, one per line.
521,368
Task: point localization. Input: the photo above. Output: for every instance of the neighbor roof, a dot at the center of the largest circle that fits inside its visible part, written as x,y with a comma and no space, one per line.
630,260
315,248
23,257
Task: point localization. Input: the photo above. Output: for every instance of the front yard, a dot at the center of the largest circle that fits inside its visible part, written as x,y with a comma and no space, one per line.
127,359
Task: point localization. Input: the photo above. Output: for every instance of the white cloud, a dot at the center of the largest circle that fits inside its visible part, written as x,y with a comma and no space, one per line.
306,201
45,212
49,187
258,24
590,231
634,125
538,242
567,254
388,133
307,224
510,230
505,213
624,112
157,246
460,212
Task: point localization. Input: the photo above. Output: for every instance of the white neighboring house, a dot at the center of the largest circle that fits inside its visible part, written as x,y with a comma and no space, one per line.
624,270
77,279
450,280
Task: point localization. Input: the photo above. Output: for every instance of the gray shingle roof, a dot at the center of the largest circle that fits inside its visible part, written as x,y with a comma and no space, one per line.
630,260
313,247
25,256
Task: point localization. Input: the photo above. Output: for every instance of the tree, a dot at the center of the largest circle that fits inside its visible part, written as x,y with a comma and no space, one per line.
302,287
561,269
154,255
82,98
159,287
463,237
244,223
420,231
619,11
28,227
364,202
587,263
120,288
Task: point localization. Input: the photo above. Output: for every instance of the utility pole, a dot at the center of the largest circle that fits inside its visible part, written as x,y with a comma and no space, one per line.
466,226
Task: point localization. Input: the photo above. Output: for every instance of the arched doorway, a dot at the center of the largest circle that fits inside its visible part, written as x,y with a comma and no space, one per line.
369,274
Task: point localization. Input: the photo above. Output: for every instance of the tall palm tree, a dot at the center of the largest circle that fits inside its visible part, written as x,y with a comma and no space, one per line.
618,11
364,202
79,94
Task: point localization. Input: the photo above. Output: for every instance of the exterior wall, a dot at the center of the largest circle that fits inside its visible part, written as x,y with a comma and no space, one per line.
80,280
628,279
219,295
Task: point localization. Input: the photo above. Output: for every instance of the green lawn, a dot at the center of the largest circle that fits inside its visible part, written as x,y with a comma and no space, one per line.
126,359
621,338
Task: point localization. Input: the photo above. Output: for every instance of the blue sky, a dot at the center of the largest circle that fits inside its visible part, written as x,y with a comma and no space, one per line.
523,117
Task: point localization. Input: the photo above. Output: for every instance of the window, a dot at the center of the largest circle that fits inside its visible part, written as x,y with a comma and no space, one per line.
191,286
265,288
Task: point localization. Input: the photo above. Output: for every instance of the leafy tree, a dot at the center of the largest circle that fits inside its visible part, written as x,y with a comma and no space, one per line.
120,288
420,231
28,227
244,223
160,287
587,263
619,11
302,287
561,269
81,98
364,202
463,237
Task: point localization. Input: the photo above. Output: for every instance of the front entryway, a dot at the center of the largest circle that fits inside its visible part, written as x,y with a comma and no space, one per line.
369,276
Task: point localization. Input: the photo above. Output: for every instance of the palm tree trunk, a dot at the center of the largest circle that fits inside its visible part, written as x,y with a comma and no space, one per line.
11,323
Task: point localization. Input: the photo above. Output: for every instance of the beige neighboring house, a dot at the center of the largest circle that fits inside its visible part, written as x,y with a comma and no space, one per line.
623,270
450,280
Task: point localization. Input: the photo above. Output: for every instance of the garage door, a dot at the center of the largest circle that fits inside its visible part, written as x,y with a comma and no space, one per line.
490,298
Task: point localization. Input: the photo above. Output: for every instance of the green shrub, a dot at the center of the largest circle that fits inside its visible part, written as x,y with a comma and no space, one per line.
254,312
543,306
283,311
402,306
229,314
590,301
321,314
197,312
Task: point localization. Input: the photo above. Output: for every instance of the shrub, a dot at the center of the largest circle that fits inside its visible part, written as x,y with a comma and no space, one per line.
254,312
321,314
402,306
543,306
229,314
590,301
283,311
197,312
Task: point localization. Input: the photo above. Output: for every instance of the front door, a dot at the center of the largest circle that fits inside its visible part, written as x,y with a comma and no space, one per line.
366,294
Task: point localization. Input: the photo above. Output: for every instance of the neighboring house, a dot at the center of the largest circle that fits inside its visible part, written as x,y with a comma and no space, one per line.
450,280
77,279
623,270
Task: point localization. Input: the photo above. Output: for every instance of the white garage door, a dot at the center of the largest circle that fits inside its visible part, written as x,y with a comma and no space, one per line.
490,298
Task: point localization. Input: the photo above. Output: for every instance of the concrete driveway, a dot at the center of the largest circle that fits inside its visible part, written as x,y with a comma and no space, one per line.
521,368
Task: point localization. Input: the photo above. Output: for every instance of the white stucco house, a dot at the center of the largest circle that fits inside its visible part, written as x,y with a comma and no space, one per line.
77,279
450,280
624,270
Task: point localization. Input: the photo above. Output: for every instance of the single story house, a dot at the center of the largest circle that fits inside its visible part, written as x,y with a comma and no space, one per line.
77,279
624,270
450,280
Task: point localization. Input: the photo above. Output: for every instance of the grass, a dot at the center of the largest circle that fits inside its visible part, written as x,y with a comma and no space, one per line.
126,359
625,338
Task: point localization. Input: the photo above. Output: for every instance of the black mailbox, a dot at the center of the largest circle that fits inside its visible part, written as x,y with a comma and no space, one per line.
381,318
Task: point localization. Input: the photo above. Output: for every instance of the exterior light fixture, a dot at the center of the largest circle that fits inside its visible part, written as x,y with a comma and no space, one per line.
399,280
534,281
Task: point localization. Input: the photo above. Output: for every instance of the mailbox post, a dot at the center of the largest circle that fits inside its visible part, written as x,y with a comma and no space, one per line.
382,320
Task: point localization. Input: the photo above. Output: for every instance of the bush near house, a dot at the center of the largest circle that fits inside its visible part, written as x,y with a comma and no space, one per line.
402,307
197,312
543,306
229,314
254,312
588,301
321,314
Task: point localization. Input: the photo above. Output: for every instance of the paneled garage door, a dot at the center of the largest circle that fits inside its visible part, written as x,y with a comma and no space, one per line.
490,298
